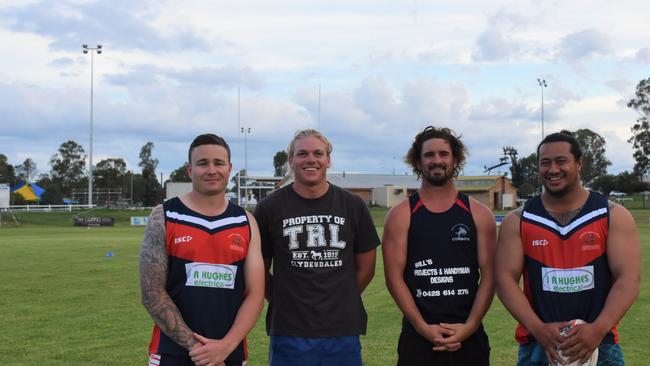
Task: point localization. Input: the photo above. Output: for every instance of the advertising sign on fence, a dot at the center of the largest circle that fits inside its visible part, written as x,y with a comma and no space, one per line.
139,220
94,221
4,195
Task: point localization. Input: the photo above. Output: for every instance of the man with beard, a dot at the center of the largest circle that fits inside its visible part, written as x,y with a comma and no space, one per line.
580,258
438,247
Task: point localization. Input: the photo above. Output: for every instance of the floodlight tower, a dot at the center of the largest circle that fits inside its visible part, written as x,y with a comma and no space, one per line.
246,131
92,51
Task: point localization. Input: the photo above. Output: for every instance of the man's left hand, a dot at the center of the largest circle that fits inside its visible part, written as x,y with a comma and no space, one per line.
211,352
453,342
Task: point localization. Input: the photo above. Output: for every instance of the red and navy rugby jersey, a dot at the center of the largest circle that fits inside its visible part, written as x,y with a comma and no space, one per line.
205,273
566,273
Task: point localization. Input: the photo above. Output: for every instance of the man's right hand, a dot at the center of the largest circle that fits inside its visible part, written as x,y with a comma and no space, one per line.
548,336
434,333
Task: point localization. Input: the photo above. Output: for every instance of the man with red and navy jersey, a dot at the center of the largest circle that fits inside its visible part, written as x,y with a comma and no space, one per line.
579,256
438,247
201,268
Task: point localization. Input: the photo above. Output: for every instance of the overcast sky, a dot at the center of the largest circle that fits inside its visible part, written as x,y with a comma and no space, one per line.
386,69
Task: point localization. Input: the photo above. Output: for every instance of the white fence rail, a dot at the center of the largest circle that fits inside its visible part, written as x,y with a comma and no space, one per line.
44,208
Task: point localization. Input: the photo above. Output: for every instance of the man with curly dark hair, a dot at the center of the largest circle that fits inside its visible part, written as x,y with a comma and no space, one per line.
438,248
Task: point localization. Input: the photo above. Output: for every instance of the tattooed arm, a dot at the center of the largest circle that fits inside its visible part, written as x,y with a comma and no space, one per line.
153,278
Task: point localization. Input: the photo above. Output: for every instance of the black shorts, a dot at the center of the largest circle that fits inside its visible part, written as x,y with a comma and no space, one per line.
176,360
413,349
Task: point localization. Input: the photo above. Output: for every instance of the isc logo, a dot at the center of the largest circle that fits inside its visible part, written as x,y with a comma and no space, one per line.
182,239
540,242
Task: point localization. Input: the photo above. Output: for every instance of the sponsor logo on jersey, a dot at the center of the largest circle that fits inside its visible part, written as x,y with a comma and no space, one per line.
460,232
182,239
539,242
590,241
236,242
210,275
568,280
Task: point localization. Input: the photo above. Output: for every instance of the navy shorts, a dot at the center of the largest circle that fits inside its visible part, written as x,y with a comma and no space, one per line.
300,351
176,360
413,349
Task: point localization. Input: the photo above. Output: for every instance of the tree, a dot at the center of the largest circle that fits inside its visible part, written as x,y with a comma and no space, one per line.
52,194
280,163
68,166
180,174
7,172
640,139
26,171
523,171
629,183
594,162
152,188
626,182
17,199
528,166
236,180
515,168
604,184
110,173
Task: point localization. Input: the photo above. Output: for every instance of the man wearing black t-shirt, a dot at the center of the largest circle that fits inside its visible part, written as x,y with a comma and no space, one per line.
438,250
321,242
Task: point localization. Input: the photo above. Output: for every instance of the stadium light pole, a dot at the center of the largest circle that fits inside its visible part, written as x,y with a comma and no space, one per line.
246,131
92,51
542,85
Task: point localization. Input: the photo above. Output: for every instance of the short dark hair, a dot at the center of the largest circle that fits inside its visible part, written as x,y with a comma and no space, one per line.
458,149
563,136
207,139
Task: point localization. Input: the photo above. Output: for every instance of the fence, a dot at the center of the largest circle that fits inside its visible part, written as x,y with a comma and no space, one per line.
44,208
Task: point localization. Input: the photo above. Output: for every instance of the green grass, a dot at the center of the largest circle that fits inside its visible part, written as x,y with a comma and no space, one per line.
64,302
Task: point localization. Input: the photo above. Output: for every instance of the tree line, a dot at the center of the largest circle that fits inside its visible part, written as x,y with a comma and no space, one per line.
68,166
68,172
594,163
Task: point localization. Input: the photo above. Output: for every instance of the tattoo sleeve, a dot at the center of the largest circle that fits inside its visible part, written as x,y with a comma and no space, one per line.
153,278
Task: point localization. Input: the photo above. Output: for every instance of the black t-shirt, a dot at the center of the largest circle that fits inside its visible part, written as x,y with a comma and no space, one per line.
313,243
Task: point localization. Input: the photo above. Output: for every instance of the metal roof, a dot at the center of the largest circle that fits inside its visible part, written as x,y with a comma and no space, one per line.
367,181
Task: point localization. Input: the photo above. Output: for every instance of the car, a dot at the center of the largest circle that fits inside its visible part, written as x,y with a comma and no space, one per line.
616,194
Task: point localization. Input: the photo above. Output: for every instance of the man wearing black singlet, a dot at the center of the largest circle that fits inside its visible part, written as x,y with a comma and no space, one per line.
438,247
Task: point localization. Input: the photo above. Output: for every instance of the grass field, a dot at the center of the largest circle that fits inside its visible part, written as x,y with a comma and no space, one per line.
64,302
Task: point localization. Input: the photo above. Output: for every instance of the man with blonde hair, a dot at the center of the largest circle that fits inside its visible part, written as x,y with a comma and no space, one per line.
321,241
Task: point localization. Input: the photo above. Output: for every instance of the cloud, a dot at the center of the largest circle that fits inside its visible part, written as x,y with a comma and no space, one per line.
643,55
226,77
499,110
621,85
577,47
497,42
375,98
122,24
62,62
